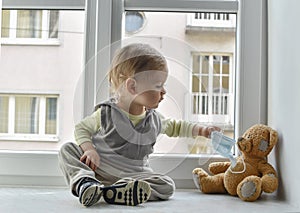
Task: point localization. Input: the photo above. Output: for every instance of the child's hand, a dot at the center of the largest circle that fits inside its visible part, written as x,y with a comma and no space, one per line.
91,158
206,131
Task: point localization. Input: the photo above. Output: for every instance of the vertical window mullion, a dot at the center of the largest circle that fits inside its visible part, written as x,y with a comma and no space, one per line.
45,23
200,102
231,89
13,24
220,98
57,116
210,84
11,115
42,115
1,22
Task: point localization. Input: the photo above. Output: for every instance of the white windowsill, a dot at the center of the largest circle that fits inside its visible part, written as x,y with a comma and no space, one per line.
37,168
30,42
29,137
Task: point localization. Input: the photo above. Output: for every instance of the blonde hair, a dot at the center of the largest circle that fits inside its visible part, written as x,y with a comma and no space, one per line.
133,59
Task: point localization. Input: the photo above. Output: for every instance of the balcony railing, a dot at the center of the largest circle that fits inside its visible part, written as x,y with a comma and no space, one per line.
212,108
211,20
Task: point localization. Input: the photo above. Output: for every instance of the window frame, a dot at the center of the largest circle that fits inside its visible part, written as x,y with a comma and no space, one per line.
251,100
12,38
41,136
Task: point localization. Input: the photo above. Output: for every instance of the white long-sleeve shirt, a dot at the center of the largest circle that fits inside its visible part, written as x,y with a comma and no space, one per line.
92,124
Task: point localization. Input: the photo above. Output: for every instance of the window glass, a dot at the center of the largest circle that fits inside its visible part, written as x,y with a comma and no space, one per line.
26,114
134,21
5,23
53,23
29,23
51,115
200,50
40,85
3,114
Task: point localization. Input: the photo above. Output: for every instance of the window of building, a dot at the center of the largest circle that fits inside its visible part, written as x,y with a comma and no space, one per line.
28,117
29,25
213,89
201,72
134,21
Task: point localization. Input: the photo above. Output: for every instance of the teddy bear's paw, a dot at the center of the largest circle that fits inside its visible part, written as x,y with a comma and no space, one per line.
249,189
199,174
196,181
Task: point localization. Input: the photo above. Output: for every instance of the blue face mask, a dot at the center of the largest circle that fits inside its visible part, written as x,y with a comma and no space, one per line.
223,145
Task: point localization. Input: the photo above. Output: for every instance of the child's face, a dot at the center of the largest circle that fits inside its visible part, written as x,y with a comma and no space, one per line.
150,88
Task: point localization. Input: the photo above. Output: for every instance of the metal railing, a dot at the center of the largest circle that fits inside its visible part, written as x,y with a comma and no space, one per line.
217,20
216,104
212,108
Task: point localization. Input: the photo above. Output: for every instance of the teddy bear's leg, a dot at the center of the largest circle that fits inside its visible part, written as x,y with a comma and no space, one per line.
207,183
218,167
250,188
269,182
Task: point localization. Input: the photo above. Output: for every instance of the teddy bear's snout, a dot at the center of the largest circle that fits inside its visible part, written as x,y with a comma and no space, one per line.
244,144
240,139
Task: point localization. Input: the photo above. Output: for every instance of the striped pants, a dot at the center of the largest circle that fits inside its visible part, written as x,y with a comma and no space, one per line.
162,186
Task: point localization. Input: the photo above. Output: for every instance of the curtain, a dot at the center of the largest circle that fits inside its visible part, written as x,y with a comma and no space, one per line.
29,24
27,115
3,114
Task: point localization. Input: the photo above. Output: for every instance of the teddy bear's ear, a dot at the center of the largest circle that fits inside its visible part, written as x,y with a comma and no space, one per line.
273,137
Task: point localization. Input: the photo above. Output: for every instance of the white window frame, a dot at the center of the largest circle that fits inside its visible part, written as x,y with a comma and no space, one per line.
41,136
44,40
251,78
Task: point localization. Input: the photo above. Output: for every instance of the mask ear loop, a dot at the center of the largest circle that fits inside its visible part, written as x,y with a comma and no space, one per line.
239,172
244,167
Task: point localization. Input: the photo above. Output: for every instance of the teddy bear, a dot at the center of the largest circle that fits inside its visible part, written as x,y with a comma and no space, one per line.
252,173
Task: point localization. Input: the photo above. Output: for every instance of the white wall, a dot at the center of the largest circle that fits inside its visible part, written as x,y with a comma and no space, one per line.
284,88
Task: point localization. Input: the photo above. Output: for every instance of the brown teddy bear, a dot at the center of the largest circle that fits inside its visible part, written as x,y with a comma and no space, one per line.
252,174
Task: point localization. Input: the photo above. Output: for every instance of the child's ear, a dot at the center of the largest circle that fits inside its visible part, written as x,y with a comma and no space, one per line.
131,86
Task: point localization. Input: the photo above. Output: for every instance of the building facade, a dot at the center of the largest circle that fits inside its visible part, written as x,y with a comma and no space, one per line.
42,73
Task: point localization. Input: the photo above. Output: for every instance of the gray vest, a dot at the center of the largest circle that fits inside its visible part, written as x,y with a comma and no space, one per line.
122,146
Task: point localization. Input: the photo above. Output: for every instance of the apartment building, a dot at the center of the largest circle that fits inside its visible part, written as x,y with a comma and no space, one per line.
42,58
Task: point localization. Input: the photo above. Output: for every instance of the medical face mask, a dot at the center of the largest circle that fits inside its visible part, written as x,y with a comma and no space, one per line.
223,145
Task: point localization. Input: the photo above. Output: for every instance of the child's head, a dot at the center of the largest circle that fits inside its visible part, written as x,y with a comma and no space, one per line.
140,71
133,59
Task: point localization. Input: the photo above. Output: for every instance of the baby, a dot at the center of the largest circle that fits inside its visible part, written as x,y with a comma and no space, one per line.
110,158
